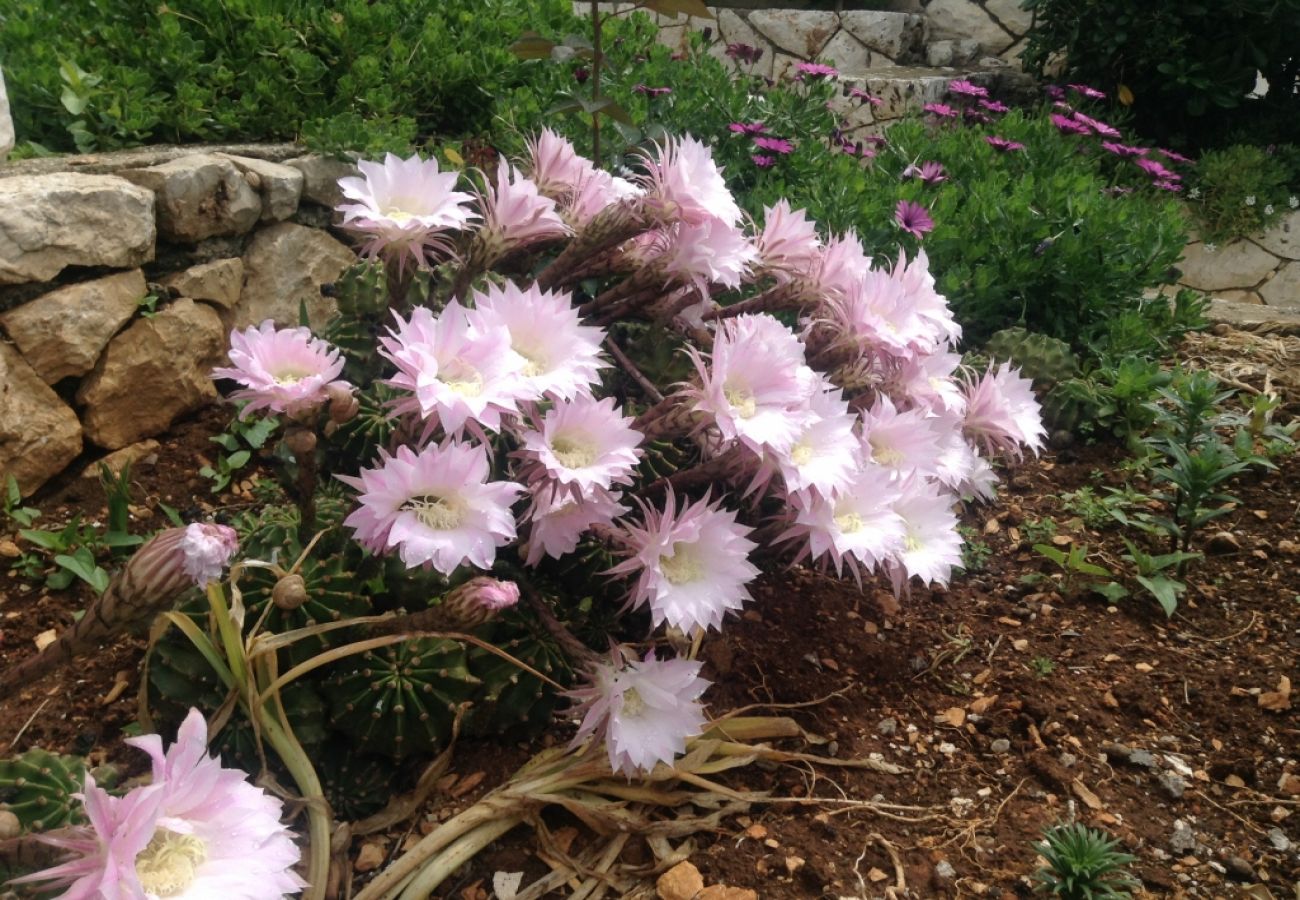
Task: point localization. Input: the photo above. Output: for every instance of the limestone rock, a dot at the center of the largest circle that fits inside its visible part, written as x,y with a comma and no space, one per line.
801,33
1283,289
62,333
216,282
1239,264
899,36
846,52
905,89
682,882
963,19
279,185
321,176
48,222
199,196
1011,16
951,52
1254,317
6,122
1240,296
1283,239
39,434
286,264
151,374
735,30
133,455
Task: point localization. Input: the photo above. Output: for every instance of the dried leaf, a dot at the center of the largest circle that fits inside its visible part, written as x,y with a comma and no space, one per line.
983,704
954,716
1279,700
45,638
1091,800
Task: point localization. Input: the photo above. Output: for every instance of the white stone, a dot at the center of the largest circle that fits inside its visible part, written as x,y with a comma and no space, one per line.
1254,317
963,19
951,52
801,33
905,89
279,185
6,122
846,53
218,282
1283,239
39,433
899,36
144,453
153,373
1011,16
48,222
321,176
285,265
1239,264
199,196
1283,289
62,333
1240,296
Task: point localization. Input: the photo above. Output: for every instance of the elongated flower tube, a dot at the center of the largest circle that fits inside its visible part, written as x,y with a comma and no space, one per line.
515,215
167,565
692,562
644,710
684,184
436,508
198,831
283,370
582,445
1001,412
404,207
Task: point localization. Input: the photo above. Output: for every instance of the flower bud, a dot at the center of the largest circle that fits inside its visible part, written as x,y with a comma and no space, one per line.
343,406
290,592
478,600
10,827
300,441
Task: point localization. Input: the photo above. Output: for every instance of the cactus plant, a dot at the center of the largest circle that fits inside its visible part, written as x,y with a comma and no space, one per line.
361,292
326,591
355,784
514,703
38,786
1040,358
401,699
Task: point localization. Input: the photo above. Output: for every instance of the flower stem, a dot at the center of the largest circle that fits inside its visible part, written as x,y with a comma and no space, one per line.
463,850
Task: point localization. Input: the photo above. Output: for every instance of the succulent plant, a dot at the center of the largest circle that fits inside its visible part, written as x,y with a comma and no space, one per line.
361,293
355,784
38,786
272,528
401,699
364,435
513,703
1040,358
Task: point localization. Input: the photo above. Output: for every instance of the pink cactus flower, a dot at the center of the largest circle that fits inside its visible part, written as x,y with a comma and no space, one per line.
516,215
685,184
931,543
595,191
436,508
788,246
206,550
559,520
903,443
644,710
282,370
856,528
710,252
583,445
554,165
826,454
1001,412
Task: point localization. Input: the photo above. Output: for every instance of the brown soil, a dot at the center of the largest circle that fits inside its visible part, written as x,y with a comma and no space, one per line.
1004,702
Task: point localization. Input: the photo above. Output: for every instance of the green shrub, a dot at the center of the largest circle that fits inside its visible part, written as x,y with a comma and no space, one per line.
1083,864
1239,190
361,74
1186,66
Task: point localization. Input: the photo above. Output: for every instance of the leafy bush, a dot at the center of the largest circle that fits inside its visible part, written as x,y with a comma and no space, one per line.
1186,67
1239,190
1083,864
100,74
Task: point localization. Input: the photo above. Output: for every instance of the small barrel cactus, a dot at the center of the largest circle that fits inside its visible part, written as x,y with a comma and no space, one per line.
355,784
38,786
322,590
361,293
513,702
1040,358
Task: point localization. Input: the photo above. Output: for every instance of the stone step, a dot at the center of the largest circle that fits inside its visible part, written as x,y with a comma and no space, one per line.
901,90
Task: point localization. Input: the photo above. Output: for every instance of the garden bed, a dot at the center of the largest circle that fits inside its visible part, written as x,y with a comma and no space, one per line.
1009,706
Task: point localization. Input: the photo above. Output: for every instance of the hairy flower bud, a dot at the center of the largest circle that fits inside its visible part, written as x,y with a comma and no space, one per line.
10,827
300,441
343,405
478,600
290,592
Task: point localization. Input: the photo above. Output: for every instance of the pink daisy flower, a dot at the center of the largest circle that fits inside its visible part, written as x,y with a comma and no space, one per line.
994,106
644,710
1002,144
1156,170
762,161
583,445
755,386
942,110
929,172
816,70
913,218
963,88
1100,127
1123,150
405,205
556,355
1001,412
1068,125
516,215
931,544
855,528
282,370
692,562
687,186
435,507
558,520
747,128
774,145
456,373
788,246
198,831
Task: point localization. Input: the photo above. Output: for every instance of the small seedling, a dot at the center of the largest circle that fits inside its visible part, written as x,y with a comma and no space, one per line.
975,552
1042,666
14,510
1038,531
239,440
1083,864
1072,564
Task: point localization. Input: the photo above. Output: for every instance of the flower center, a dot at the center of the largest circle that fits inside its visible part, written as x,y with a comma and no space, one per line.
885,454
802,454
398,215
436,512
683,566
463,379
535,362
741,400
573,454
911,543
291,376
633,705
167,866
849,522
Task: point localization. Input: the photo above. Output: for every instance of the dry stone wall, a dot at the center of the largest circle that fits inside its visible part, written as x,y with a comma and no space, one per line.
122,274
1255,281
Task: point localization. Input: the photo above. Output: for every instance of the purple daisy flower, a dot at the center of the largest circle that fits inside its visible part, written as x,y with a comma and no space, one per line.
1155,170
1004,145
1066,125
1125,150
964,88
930,172
994,106
942,110
1090,92
913,218
816,70
1174,157
747,128
763,162
869,97
652,91
744,53
774,145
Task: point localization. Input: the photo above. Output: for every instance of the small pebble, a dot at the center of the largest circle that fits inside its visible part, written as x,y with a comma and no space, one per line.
1173,785
945,871
887,727
1001,745
1183,839
1239,869
1142,758
1277,837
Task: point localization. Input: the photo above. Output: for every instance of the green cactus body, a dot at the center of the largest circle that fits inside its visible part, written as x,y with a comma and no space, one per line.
361,293
513,702
401,699
38,786
1042,359
355,784
332,596
361,438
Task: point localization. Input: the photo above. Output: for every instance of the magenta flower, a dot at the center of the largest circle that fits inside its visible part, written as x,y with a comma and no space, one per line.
867,96
692,562
199,830
558,521
686,185
763,162
1167,185
1054,92
816,70
1003,145
1068,125
583,445
282,370
913,218
404,205
744,53
1002,413
747,128
1100,127
929,172
516,214
1123,150
774,145
942,110
1156,170
652,92
994,106
436,507
963,88
644,710
1174,157
1090,92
